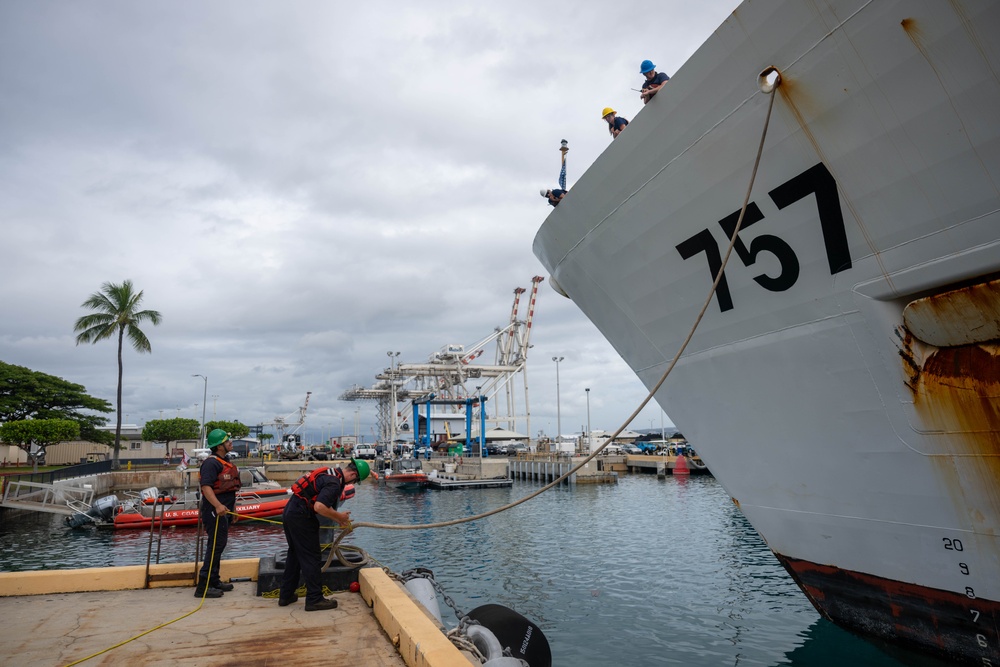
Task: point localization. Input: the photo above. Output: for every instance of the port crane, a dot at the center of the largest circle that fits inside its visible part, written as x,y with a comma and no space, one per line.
290,424
449,372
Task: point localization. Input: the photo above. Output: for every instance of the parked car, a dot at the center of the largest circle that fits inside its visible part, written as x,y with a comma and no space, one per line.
232,455
629,449
363,452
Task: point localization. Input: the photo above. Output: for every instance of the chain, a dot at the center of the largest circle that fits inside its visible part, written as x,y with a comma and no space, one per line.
425,573
458,637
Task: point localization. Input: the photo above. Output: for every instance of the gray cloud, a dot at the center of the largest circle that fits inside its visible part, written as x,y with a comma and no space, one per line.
299,187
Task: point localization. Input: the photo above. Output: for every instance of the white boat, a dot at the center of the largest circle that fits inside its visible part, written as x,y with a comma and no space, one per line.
844,384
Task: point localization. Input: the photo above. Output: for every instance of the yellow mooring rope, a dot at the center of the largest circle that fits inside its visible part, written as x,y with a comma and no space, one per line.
162,625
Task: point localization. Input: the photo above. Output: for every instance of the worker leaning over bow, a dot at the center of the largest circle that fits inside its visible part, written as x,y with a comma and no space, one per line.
615,122
316,493
654,80
219,480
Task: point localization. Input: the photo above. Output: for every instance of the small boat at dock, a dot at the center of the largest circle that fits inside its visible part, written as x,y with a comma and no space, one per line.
136,515
406,474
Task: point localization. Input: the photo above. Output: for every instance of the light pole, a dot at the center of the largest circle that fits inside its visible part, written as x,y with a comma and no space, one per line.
392,417
201,433
215,400
558,407
590,445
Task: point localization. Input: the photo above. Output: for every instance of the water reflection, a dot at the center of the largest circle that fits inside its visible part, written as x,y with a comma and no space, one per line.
827,645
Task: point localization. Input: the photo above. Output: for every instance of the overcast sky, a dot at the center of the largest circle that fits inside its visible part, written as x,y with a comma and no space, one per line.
300,187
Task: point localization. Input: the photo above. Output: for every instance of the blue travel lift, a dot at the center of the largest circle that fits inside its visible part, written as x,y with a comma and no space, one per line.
429,400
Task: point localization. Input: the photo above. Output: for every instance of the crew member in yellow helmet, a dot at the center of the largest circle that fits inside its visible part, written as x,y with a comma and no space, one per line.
317,493
615,122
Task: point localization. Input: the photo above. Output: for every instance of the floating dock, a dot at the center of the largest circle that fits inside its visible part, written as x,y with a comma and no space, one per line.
446,483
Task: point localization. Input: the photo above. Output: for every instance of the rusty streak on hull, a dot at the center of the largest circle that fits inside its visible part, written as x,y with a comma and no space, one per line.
940,622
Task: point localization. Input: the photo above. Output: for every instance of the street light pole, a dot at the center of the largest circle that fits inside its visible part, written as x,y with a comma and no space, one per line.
590,445
392,416
201,433
558,406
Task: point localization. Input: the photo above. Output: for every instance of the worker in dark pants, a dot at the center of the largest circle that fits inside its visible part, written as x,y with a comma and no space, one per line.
317,493
219,480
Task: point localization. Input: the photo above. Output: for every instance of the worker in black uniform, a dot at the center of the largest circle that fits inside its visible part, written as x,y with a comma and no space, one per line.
219,481
316,493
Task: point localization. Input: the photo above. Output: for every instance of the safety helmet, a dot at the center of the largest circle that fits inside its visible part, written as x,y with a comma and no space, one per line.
362,467
607,110
646,66
216,437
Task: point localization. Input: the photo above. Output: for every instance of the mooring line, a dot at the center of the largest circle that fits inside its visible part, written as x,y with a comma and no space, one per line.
652,392
345,530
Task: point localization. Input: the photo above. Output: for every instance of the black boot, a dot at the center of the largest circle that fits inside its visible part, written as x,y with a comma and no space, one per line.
325,603
211,592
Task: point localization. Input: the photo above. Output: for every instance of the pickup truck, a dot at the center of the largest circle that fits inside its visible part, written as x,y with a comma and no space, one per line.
363,452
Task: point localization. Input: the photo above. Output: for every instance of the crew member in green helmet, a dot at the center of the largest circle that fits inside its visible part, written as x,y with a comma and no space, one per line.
317,493
219,481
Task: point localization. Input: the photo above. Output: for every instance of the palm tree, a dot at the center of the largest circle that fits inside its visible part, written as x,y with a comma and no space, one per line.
118,311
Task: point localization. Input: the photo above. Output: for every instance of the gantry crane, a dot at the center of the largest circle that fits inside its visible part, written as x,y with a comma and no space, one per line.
287,427
448,371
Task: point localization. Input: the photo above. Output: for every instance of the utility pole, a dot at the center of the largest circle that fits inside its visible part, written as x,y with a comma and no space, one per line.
590,446
558,407
393,356
201,433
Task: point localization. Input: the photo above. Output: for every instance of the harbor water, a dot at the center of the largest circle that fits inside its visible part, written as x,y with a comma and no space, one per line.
645,572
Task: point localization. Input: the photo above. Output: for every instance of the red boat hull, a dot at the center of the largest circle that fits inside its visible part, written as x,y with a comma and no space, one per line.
407,480
189,517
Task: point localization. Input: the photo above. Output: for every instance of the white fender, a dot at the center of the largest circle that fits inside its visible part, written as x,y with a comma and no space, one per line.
423,590
488,645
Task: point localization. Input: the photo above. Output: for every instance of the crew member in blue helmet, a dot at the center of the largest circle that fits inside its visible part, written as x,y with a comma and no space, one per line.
319,493
219,480
654,80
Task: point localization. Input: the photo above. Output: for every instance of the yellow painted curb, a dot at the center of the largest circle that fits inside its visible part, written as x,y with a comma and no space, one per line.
418,639
128,577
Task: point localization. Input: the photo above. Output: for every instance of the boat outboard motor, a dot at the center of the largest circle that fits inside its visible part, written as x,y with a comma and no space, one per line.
102,509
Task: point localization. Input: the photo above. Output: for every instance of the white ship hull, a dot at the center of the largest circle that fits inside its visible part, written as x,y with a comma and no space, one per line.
859,436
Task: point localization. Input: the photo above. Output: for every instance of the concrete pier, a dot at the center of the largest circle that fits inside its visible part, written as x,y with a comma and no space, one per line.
103,617
661,465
